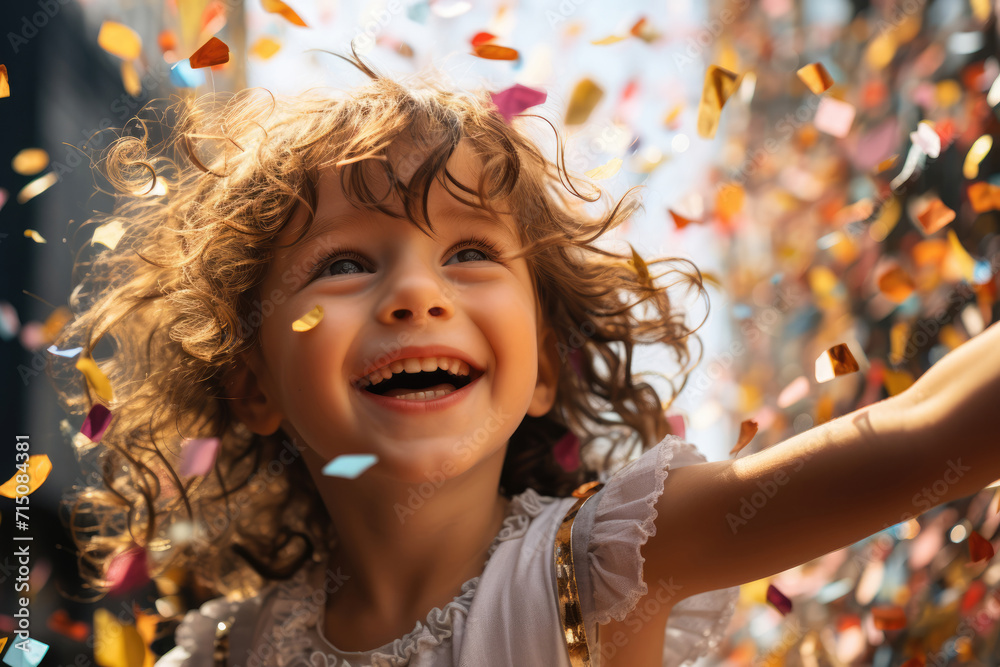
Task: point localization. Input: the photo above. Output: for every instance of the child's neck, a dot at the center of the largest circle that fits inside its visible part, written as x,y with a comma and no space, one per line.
399,557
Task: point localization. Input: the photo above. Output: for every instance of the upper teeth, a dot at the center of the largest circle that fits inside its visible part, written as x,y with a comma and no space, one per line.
429,364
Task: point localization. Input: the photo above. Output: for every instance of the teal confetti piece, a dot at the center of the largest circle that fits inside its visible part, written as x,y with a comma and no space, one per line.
349,466
25,653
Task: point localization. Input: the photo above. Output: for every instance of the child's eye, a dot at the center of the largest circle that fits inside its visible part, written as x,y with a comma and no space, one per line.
344,262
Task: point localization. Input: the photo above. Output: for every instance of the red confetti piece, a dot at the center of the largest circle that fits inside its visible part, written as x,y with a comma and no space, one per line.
96,423
127,571
980,548
60,622
516,99
567,452
198,456
213,52
482,38
778,599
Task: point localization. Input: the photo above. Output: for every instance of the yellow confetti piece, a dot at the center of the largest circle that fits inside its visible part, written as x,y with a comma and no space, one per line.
981,9
899,336
977,153
816,78
120,40
280,8
835,362
264,48
881,50
719,85
586,94
115,644
934,215
822,280
4,82
889,215
309,320
606,170
966,264
951,337
96,378
130,78
37,187
896,382
3,642
670,120
886,163
610,39
895,283
34,236
30,161
39,467
108,234
948,93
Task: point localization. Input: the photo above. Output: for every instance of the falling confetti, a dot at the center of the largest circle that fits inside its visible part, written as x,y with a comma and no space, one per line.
495,52
816,78
984,197
482,38
264,48
834,117
309,320
108,234
38,468
450,11
37,187
130,78
835,362
980,548
96,423
926,139
567,452
349,466
213,52
60,621
586,94
283,10
895,283
34,236
934,216
198,456
796,390
120,40
115,644
26,653
610,39
30,161
516,99
127,571
977,153
748,429
889,617
96,378
4,82
719,85
779,600
607,170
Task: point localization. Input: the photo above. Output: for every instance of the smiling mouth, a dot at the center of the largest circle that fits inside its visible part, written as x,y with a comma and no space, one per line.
423,385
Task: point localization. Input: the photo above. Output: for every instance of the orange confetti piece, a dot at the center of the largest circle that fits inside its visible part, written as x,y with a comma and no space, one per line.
934,216
96,378
30,161
896,382
34,236
606,170
835,362
309,320
748,429
889,617
495,52
586,94
899,336
914,662
679,219
980,548
264,48
583,490
120,40
719,85
55,323
886,163
286,12
984,197
895,283
816,78
729,201
4,82
61,622
213,52
27,480
610,39
167,40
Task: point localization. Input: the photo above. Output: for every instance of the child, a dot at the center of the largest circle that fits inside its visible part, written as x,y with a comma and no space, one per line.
401,274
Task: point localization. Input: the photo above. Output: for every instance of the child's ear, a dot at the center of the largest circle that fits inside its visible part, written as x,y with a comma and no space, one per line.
247,398
548,374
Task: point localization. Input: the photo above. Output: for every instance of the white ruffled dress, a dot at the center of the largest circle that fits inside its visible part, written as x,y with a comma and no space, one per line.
506,616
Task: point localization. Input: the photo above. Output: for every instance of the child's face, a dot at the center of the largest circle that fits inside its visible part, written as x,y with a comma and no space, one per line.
405,290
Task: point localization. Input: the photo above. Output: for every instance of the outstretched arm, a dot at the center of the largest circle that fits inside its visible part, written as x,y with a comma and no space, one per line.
726,523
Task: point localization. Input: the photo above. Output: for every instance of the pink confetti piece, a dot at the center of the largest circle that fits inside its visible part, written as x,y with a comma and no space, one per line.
128,571
96,423
676,425
796,390
926,139
567,452
198,456
516,99
778,599
834,117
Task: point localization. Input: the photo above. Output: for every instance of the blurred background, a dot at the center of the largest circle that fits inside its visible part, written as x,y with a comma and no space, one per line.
848,197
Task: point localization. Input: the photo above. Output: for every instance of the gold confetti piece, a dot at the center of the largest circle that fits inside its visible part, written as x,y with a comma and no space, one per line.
719,85
38,469
586,94
108,234
886,163
934,216
835,362
37,187
96,378
115,644
899,336
816,78
30,161
670,120
748,429
213,52
895,283
606,170
279,7
120,40
4,82
977,153
610,39
951,337
309,320
984,197
264,48
966,264
495,52
896,382
34,236
130,78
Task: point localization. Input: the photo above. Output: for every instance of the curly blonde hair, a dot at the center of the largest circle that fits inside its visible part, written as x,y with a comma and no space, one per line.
179,297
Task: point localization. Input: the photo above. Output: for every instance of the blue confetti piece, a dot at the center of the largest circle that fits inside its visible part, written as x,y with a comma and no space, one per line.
65,353
982,273
741,311
834,590
349,466
183,75
910,307
418,12
17,656
776,278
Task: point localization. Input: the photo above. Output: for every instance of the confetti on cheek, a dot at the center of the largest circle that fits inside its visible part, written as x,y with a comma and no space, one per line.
213,52
516,99
719,85
198,456
38,469
934,216
748,429
977,153
26,653
584,98
108,234
816,78
280,8
96,423
889,617
34,236
779,600
37,187
495,52
349,466
30,161
309,320
607,170
96,378
4,82
835,362
120,40
567,452
834,117
980,548
796,390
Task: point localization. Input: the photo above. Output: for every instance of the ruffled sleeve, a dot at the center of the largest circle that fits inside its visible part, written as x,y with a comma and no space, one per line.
607,535
195,636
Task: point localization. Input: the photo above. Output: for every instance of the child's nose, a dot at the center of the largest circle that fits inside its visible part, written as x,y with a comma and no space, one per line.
417,292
